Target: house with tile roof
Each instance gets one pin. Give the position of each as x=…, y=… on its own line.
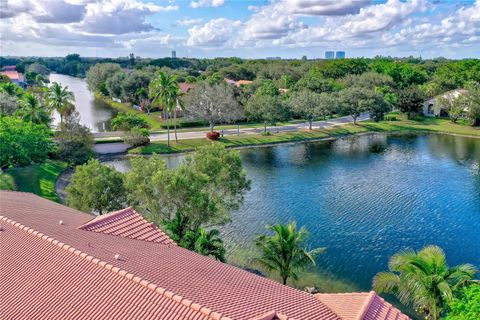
x=60, y=263
x=16, y=77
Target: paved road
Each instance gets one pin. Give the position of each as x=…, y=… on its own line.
x=245, y=131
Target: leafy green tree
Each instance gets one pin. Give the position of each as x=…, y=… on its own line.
x=284, y=251
x=207, y=243
x=423, y=280
x=213, y=103
x=75, y=141
x=61, y=100
x=473, y=106
x=368, y=80
x=31, y=110
x=98, y=74
x=455, y=106
x=267, y=88
x=314, y=80
x=355, y=101
x=132, y=83
x=410, y=100
x=23, y=143
x=11, y=89
x=95, y=187
x=306, y=104
x=466, y=304
x=126, y=121
x=286, y=81
x=114, y=84
x=339, y=68
x=266, y=109
x=162, y=91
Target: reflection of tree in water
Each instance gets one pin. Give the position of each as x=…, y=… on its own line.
x=462, y=150
x=361, y=146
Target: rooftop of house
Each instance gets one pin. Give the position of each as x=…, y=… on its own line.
x=185, y=87
x=448, y=95
x=63, y=264
x=13, y=75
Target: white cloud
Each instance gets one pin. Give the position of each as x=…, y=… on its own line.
x=207, y=3
x=188, y=22
x=324, y=7
x=215, y=33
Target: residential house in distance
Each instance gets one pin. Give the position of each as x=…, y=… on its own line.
x=433, y=107
x=238, y=83
x=14, y=76
x=59, y=263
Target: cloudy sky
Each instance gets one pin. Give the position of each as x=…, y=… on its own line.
x=242, y=28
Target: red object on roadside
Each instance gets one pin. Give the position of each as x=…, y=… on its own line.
x=213, y=135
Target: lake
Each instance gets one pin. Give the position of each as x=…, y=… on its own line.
x=364, y=198
x=94, y=113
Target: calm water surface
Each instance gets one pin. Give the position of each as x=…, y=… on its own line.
x=94, y=113
x=364, y=198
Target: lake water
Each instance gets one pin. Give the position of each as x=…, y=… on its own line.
x=364, y=198
x=94, y=113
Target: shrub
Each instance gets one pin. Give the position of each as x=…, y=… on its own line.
x=215, y=135
x=126, y=121
x=137, y=137
x=7, y=182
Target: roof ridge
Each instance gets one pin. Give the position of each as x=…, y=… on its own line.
x=121, y=272
x=99, y=219
x=366, y=305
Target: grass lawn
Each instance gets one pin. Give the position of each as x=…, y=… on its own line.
x=426, y=125
x=38, y=178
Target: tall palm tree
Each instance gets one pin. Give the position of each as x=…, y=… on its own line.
x=162, y=91
x=177, y=94
x=11, y=89
x=32, y=111
x=61, y=100
x=423, y=280
x=284, y=251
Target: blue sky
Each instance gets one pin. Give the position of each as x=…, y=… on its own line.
x=247, y=29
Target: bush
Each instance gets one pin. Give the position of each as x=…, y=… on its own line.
x=137, y=137
x=7, y=182
x=266, y=133
x=23, y=143
x=215, y=135
x=126, y=121
x=75, y=142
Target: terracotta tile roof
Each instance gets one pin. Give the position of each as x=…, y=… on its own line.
x=54, y=283
x=127, y=223
x=243, y=82
x=185, y=87
x=361, y=306
x=12, y=74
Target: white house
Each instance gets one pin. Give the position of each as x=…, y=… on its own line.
x=432, y=107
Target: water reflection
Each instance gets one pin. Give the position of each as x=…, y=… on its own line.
x=365, y=198
x=94, y=113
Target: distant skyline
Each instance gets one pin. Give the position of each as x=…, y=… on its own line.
x=246, y=29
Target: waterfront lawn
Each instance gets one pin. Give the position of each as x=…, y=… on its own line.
x=424, y=125
x=39, y=178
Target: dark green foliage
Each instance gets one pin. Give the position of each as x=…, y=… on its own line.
x=97, y=188
x=136, y=137
x=126, y=121
x=410, y=100
x=7, y=182
x=340, y=68
x=23, y=143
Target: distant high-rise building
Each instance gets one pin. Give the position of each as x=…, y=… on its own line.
x=329, y=55
x=174, y=54
x=304, y=58
x=340, y=55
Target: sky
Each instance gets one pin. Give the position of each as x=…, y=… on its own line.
x=240, y=28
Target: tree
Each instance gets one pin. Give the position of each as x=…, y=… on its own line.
x=306, y=104
x=7, y=182
x=11, y=89
x=132, y=83
x=455, y=106
x=473, y=106
x=98, y=74
x=355, y=101
x=162, y=91
x=8, y=104
x=267, y=88
x=114, y=84
x=423, y=280
x=466, y=304
x=315, y=81
x=61, y=100
x=410, y=100
x=267, y=109
x=95, y=187
x=207, y=243
x=284, y=251
x=75, y=141
x=368, y=80
x=213, y=103
x=32, y=111
x=23, y=143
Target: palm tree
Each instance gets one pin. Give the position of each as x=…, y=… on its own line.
x=61, y=100
x=284, y=251
x=178, y=103
x=162, y=91
x=12, y=89
x=32, y=111
x=208, y=243
x=423, y=280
